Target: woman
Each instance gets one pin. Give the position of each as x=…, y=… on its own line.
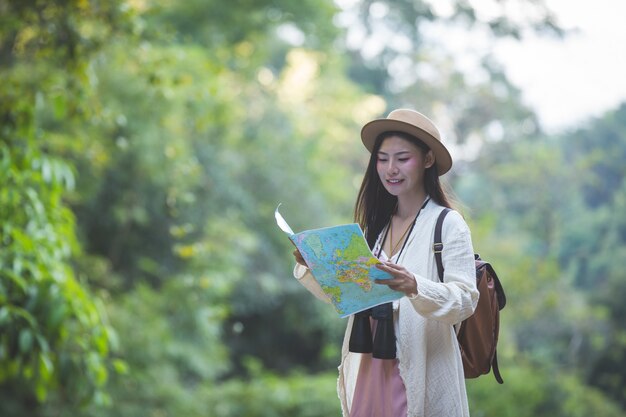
x=397, y=207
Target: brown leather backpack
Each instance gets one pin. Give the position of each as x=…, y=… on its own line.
x=478, y=334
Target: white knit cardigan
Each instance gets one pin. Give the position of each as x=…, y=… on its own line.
x=429, y=359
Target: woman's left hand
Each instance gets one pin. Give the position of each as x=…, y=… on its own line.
x=402, y=280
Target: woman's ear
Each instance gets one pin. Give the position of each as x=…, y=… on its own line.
x=429, y=159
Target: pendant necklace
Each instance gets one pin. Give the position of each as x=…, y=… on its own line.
x=407, y=231
x=393, y=249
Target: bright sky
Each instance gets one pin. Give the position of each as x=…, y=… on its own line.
x=566, y=81
x=570, y=81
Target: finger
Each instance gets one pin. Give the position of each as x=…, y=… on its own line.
x=395, y=267
x=385, y=267
x=389, y=282
x=390, y=267
x=396, y=273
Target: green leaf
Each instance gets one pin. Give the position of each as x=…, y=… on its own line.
x=40, y=391
x=4, y=315
x=59, y=104
x=15, y=278
x=120, y=366
x=46, y=367
x=25, y=340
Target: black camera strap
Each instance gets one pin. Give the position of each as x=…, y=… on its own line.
x=380, y=248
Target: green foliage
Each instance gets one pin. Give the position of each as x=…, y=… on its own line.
x=51, y=329
x=533, y=391
x=595, y=254
x=245, y=23
x=59, y=32
x=268, y=395
x=171, y=347
x=54, y=340
x=559, y=246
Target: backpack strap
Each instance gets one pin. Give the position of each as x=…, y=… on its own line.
x=438, y=248
x=495, y=369
x=437, y=243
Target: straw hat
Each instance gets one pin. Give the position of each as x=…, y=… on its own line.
x=415, y=124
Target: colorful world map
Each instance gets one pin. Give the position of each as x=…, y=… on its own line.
x=342, y=263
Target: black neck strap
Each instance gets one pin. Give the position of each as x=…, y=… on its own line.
x=407, y=236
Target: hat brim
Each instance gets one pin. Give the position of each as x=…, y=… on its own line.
x=373, y=129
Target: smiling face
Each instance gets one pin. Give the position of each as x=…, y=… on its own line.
x=401, y=164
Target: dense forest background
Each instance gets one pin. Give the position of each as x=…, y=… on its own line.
x=144, y=145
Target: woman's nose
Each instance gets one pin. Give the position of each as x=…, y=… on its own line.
x=392, y=167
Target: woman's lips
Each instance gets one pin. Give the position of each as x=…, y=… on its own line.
x=394, y=181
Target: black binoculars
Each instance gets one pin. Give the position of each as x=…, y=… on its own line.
x=383, y=344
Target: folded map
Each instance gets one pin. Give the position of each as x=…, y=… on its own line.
x=344, y=266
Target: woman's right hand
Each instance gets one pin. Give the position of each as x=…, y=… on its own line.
x=299, y=258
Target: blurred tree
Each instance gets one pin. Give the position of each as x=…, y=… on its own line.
x=396, y=51
x=593, y=248
x=249, y=25
x=564, y=262
x=531, y=390
x=191, y=155
x=54, y=338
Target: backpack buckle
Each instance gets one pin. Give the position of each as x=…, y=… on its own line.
x=438, y=247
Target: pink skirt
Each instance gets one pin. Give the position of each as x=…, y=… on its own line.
x=379, y=391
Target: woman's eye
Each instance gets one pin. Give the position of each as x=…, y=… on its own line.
x=382, y=160
x=403, y=159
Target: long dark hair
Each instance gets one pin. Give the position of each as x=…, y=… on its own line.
x=374, y=205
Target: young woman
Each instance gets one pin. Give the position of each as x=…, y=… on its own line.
x=415, y=367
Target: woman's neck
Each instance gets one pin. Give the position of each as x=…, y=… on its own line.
x=408, y=205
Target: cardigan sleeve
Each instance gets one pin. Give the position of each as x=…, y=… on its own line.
x=304, y=276
x=454, y=299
